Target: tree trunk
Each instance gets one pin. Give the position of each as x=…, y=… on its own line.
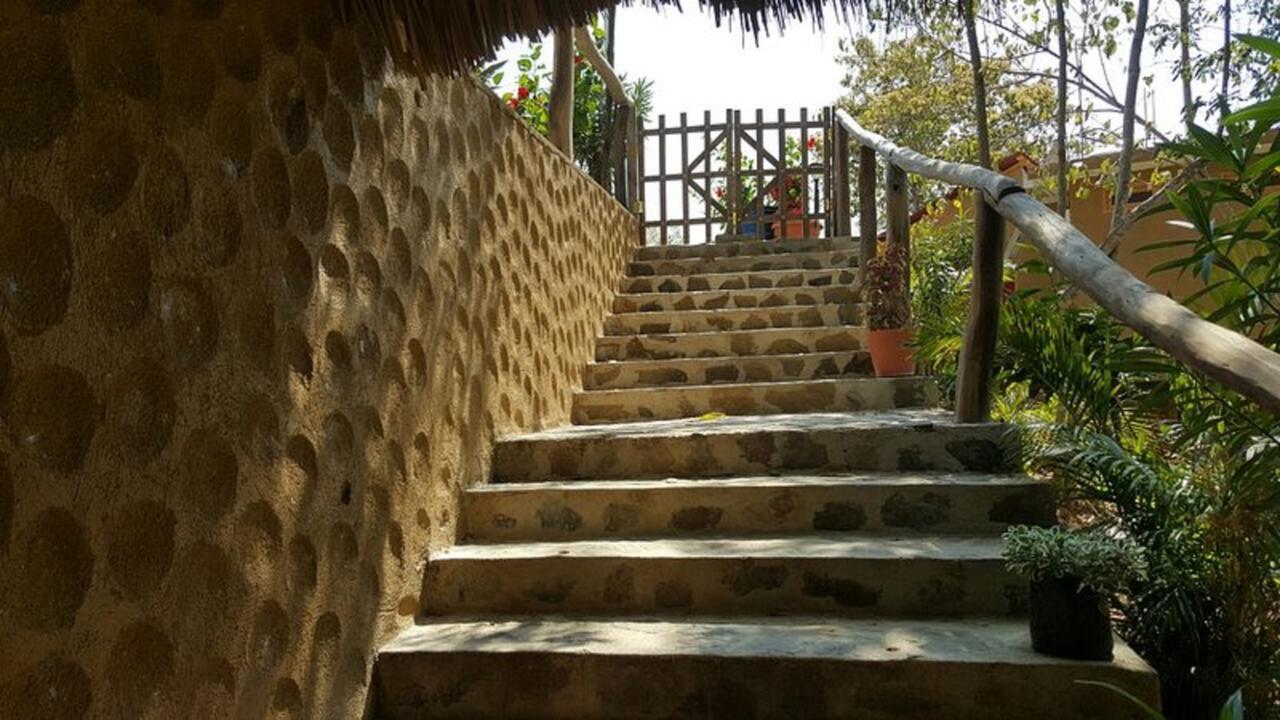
x=1124, y=164
x=1064, y=191
x=1226, y=57
x=966, y=10
x=560, y=112
x=1184, y=43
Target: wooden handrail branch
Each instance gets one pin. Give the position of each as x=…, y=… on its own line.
x=1221, y=354
x=630, y=175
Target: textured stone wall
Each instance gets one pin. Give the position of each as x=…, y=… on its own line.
x=266, y=304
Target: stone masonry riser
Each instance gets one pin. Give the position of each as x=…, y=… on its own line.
x=902, y=682
x=851, y=587
x=976, y=448
x=709, y=371
x=787, y=261
x=740, y=281
x=723, y=299
x=740, y=343
x=557, y=512
x=693, y=321
x=838, y=395
x=740, y=249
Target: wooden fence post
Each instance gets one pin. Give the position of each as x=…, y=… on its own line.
x=841, y=212
x=560, y=112
x=868, y=224
x=977, y=357
x=897, y=218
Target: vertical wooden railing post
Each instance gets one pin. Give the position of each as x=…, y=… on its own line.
x=733, y=169
x=560, y=112
x=841, y=210
x=635, y=151
x=977, y=357
x=898, y=221
x=618, y=153
x=636, y=156
x=662, y=177
x=868, y=223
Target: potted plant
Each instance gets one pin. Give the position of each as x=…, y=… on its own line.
x=889, y=315
x=789, y=222
x=1073, y=577
x=750, y=224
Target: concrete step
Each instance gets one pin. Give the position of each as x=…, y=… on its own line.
x=749, y=298
x=906, y=440
x=740, y=280
x=731, y=343
x=798, y=574
x=746, y=247
x=701, y=265
x=826, y=395
x=715, y=370
x=692, y=321
x=935, y=503
x=574, y=668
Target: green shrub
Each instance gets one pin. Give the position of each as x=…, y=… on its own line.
x=1106, y=565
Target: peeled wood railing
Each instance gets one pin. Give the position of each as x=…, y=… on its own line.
x=560, y=109
x=1225, y=356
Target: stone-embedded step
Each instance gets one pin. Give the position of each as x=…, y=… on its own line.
x=908, y=440
x=740, y=280
x=747, y=247
x=731, y=343
x=722, y=299
x=717, y=370
x=826, y=395
x=901, y=503
x=739, y=669
x=745, y=263
x=797, y=574
x=692, y=321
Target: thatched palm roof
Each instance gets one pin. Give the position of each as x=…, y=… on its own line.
x=453, y=35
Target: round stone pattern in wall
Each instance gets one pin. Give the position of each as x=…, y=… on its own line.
x=53, y=416
x=37, y=89
x=52, y=572
x=35, y=264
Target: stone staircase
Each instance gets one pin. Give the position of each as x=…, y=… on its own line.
x=742, y=523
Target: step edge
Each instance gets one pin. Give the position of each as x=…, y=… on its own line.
x=881, y=479
x=772, y=384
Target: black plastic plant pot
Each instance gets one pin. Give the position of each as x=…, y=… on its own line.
x=1069, y=621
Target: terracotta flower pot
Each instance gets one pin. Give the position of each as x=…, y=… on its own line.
x=795, y=227
x=891, y=354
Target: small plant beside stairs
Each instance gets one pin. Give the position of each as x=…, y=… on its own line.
x=889, y=314
x=1073, y=576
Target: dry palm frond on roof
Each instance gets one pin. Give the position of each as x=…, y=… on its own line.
x=453, y=35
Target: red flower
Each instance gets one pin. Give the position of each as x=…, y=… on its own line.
x=513, y=103
x=813, y=143
x=719, y=193
x=523, y=92
x=577, y=59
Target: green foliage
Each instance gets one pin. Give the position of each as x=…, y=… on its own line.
x=593, y=111
x=941, y=275
x=1139, y=447
x=1104, y=564
x=918, y=91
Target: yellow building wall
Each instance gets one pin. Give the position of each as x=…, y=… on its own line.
x=266, y=305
